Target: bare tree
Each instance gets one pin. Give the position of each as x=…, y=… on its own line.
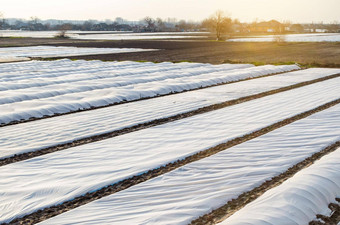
x=63, y=30
x=219, y=23
x=279, y=38
x=34, y=20
x=34, y=23
x=150, y=23
x=280, y=30
x=2, y=21
x=160, y=24
x=182, y=25
x=87, y=25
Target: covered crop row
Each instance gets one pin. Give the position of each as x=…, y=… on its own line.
x=54, y=51
x=37, y=102
x=299, y=199
x=195, y=189
x=61, y=176
x=36, y=135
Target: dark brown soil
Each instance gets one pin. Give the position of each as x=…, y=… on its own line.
x=236, y=204
x=216, y=215
x=306, y=54
x=325, y=54
x=17, y=42
x=334, y=219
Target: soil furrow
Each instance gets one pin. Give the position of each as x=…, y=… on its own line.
x=156, y=122
x=236, y=204
x=333, y=219
x=211, y=218
x=124, y=102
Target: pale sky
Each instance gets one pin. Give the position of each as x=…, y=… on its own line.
x=245, y=10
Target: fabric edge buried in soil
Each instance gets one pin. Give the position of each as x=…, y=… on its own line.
x=281, y=112
x=41, y=111
x=76, y=135
x=150, y=199
x=304, y=102
x=307, y=193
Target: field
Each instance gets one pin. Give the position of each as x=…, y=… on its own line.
x=314, y=37
x=168, y=141
x=107, y=35
x=323, y=54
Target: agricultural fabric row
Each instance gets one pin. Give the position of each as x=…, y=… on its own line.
x=299, y=199
x=54, y=51
x=195, y=189
x=26, y=137
x=22, y=102
x=60, y=176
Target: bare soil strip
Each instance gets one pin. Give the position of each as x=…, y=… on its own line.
x=156, y=122
x=124, y=102
x=216, y=215
x=333, y=219
x=236, y=204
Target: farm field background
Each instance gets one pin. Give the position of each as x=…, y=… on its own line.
x=307, y=54
x=318, y=37
x=111, y=35
x=168, y=131
x=105, y=35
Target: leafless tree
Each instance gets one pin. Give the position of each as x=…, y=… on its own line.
x=150, y=23
x=2, y=20
x=280, y=30
x=182, y=25
x=279, y=38
x=34, y=20
x=63, y=30
x=160, y=24
x=219, y=23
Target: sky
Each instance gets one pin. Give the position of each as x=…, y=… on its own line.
x=298, y=11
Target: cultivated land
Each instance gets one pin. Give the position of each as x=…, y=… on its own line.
x=323, y=54
x=80, y=128
x=89, y=142
x=210, y=182
x=115, y=159
x=73, y=86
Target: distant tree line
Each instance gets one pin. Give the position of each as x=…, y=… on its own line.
x=219, y=23
x=224, y=27
x=147, y=24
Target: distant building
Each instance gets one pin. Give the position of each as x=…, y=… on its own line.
x=270, y=27
x=298, y=28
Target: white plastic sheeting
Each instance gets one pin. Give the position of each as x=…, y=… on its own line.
x=195, y=189
x=61, y=51
x=136, y=36
x=67, y=86
x=35, y=135
x=54, y=178
x=6, y=59
x=104, y=35
x=298, y=200
x=319, y=37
